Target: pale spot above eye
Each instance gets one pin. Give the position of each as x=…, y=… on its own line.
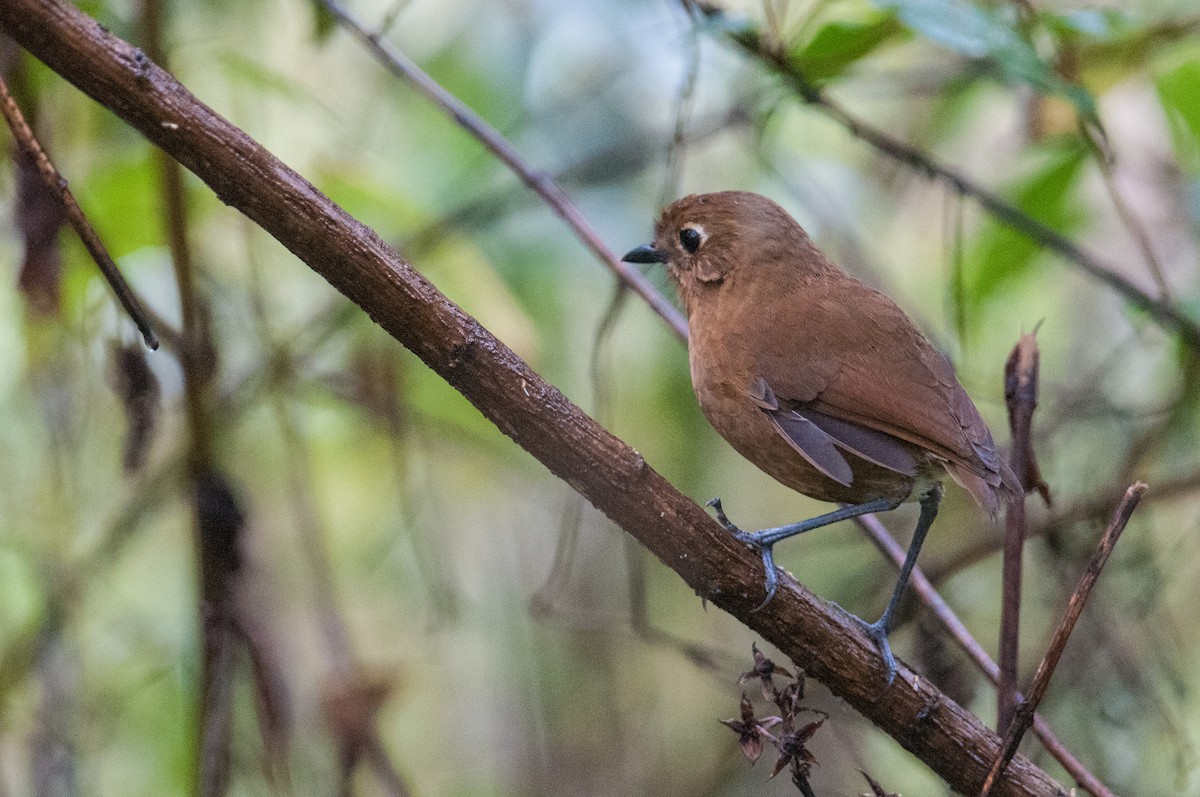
x=691, y=236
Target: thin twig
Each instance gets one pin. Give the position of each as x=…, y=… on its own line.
x=1020, y=393
x=1136, y=229
x=28, y=144
x=1041, y=679
x=538, y=181
x=928, y=594
x=684, y=100
x=777, y=60
x=217, y=708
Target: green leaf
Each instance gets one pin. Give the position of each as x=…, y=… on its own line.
x=1002, y=254
x=1179, y=93
x=839, y=44
x=986, y=35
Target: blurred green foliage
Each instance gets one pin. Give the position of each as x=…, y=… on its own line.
x=1179, y=91
x=996, y=35
x=379, y=501
x=1000, y=254
x=838, y=44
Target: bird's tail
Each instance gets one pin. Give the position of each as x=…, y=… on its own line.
x=991, y=489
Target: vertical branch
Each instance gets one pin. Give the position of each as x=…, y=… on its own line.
x=219, y=523
x=53, y=747
x=1041, y=679
x=684, y=100
x=217, y=518
x=1010, y=613
x=1020, y=393
x=174, y=203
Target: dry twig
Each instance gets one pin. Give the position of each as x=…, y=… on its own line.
x=1041, y=679
x=32, y=150
x=1020, y=393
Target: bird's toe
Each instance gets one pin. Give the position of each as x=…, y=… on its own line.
x=878, y=632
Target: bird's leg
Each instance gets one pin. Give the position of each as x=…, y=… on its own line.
x=764, y=541
x=880, y=629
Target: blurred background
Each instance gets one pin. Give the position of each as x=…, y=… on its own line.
x=418, y=606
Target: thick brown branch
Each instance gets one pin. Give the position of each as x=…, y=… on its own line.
x=826, y=642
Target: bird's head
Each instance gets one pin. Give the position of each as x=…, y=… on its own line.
x=707, y=240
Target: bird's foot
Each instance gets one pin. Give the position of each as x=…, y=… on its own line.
x=878, y=631
x=752, y=540
x=719, y=511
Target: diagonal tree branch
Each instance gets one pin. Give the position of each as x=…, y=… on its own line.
x=612, y=476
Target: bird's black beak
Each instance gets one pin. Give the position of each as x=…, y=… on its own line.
x=645, y=254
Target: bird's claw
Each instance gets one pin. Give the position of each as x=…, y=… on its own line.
x=715, y=503
x=878, y=633
x=751, y=541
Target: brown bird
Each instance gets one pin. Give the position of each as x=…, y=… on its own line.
x=816, y=378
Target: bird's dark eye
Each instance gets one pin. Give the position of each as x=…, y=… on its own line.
x=691, y=239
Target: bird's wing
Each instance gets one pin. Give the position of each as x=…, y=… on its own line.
x=858, y=362
x=818, y=437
